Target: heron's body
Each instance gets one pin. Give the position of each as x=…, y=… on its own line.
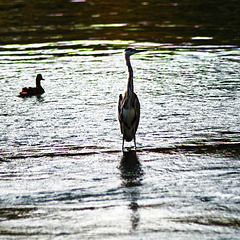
x=30, y=91
x=128, y=105
x=129, y=115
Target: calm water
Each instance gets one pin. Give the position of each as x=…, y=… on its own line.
x=62, y=172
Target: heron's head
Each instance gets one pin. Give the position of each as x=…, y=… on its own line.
x=39, y=77
x=130, y=51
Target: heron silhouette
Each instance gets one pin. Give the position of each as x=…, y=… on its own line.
x=129, y=105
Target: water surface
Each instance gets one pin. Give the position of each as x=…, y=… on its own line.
x=61, y=158
x=63, y=174
x=185, y=21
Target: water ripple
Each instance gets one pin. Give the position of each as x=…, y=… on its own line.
x=61, y=160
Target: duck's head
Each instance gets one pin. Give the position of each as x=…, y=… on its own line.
x=131, y=50
x=39, y=77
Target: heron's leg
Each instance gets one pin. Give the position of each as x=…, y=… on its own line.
x=123, y=143
x=135, y=143
x=122, y=130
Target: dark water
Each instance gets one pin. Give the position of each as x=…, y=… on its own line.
x=62, y=172
x=198, y=22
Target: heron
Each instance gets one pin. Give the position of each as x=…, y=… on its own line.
x=129, y=105
x=30, y=91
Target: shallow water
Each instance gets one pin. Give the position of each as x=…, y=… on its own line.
x=62, y=172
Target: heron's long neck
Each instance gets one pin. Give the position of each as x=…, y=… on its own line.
x=130, y=76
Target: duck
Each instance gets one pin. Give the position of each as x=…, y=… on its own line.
x=31, y=91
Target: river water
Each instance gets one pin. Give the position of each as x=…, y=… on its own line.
x=62, y=172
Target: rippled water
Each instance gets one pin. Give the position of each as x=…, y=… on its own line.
x=62, y=172
x=63, y=175
x=179, y=21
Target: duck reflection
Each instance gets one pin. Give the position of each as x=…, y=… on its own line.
x=131, y=175
x=39, y=98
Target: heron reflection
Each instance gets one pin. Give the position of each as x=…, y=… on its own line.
x=131, y=170
x=131, y=175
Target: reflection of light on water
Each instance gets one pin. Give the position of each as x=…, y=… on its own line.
x=61, y=149
x=109, y=25
x=202, y=38
x=78, y=1
x=189, y=93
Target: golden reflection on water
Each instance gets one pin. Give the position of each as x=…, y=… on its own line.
x=153, y=21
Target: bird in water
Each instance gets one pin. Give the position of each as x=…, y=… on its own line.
x=128, y=104
x=30, y=91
